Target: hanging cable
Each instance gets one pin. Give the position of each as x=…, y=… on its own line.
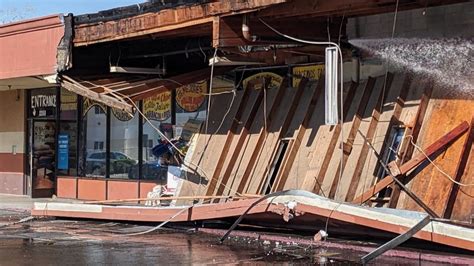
x=436, y=166
x=185, y=163
x=210, y=91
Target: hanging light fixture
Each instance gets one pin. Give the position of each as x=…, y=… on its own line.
x=330, y=107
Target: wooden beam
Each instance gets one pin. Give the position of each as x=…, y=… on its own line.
x=230, y=136
x=295, y=145
x=414, y=131
x=281, y=178
x=467, y=149
x=370, y=135
x=240, y=142
x=162, y=21
x=431, y=150
x=262, y=135
x=69, y=85
x=228, y=30
x=334, y=138
x=352, y=134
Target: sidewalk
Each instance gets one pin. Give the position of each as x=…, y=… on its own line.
x=23, y=203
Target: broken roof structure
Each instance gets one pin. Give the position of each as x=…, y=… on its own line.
x=264, y=128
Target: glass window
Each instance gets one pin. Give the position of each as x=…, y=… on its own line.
x=92, y=139
x=123, y=145
x=67, y=138
x=157, y=109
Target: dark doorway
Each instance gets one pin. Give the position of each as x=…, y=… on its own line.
x=43, y=159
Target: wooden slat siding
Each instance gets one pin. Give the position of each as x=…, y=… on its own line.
x=353, y=132
x=284, y=129
x=334, y=138
x=293, y=145
x=242, y=136
x=467, y=149
x=438, y=145
x=230, y=136
x=414, y=131
x=236, y=153
x=261, y=137
x=370, y=135
x=265, y=154
x=205, y=149
x=397, y=109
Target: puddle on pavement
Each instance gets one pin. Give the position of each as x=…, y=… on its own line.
x=92, y=242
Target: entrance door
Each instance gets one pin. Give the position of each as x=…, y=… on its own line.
x=43, y=161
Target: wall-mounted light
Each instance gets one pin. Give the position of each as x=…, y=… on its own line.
x=332, y=67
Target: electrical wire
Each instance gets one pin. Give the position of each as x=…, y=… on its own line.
x=174, y=146
x=328, y=43
x=210, y=92
x=436, y=166
x=161, y=224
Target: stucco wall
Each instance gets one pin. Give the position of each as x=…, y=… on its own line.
x=12, y=133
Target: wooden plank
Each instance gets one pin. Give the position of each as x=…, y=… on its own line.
x=353, y=132
x=241, y=139
x=230, y=136
x=162, y=21
x=372, y=165
x=467, y=149
x=261, y=137
x=370, y=135
x=295, y=145
x=335, y=136
x=441, y=143
x=107, y=100
x=414, y=131
x=281, y=179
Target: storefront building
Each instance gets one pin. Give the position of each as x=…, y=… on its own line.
x=28, y=52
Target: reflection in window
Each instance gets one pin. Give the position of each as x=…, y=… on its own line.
x=123, y=145
x=92, y=160
x=157, y=109
x=68, y=132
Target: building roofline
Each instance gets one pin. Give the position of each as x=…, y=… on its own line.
x=31, y=24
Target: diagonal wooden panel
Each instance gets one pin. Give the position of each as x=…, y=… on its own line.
x=414, y=131
x=230, y=136
x=296, y=143
x=334, y=138
x=370, y=135
x=352, y=133
x=261, y=137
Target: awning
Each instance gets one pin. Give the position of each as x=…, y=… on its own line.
x=118, y=91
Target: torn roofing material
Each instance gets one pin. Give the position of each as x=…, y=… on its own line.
x=133, y=10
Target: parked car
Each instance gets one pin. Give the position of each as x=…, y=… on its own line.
x=119, y=163
x=152, y=170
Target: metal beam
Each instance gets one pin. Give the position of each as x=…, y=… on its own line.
x=397, y=240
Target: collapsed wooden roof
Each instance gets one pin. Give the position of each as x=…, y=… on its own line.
x=118, y=91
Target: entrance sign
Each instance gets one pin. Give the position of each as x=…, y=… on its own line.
x=43, y=103
x=191, y=97
x=158, y=107
x=63, y=151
